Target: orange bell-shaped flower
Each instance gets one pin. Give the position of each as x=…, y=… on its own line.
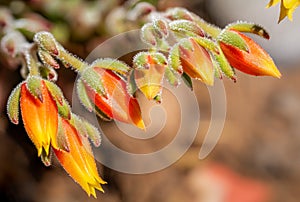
x=40, y=117
x=256, y=61
x=197, y=62
x=118, y=104
x=79, y=161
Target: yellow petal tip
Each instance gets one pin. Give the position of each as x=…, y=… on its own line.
x=141, y=125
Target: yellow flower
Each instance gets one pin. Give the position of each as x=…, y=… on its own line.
x=287, y=8
x=78, y=160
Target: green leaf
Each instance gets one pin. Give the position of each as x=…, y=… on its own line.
x=13, y=104
x=186, y=27
x=112, y=64
x=171, y=76
x=233, y=39
x=83, y=97
x=207, y=44
x=248, y=27
x=34, y=85
x=224, y=65
x=93, y=79
x=63, y=106
x=174, y=59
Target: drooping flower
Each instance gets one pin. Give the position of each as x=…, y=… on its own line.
x=256, y=61
x=78, y=159
x=149, y=73
x=116, y=103
x=192, y=59
x=40, y=117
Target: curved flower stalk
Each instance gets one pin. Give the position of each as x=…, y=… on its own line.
x=181, y=45
x=100, y=88
x=287, y=8
x=49, y=123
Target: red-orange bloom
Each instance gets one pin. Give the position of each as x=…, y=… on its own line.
x=197, y=63
x=79, y=161
x=40, y=118
x=255, y=62
x=118, y=103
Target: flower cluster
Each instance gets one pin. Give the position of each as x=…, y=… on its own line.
x=182, y=47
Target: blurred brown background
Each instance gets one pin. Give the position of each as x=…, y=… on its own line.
x=256, y=160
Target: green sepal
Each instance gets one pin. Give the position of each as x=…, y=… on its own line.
x=93, y=133
x=224, y=65
x=34, y=85
x=13, y=104
x=233, y=39
x=62, y=104
x=218, y=71
x=141, y=60
x=48, y=73
x=47, y=59
x=86, y=129
x=187, y=80
x=162, y=26
x=207, y=44
x=47, y=42
x=93, y=80
x=186, y=27
x=248, y=27
x=131, y=85
x=46, y=158
x=82, y=95
x=171, y=76
x=179, y=14
x=148, y=35
x=76, y=121
x=62, y=141
x=159, y=58
x=174, y=59
x=112, y=64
